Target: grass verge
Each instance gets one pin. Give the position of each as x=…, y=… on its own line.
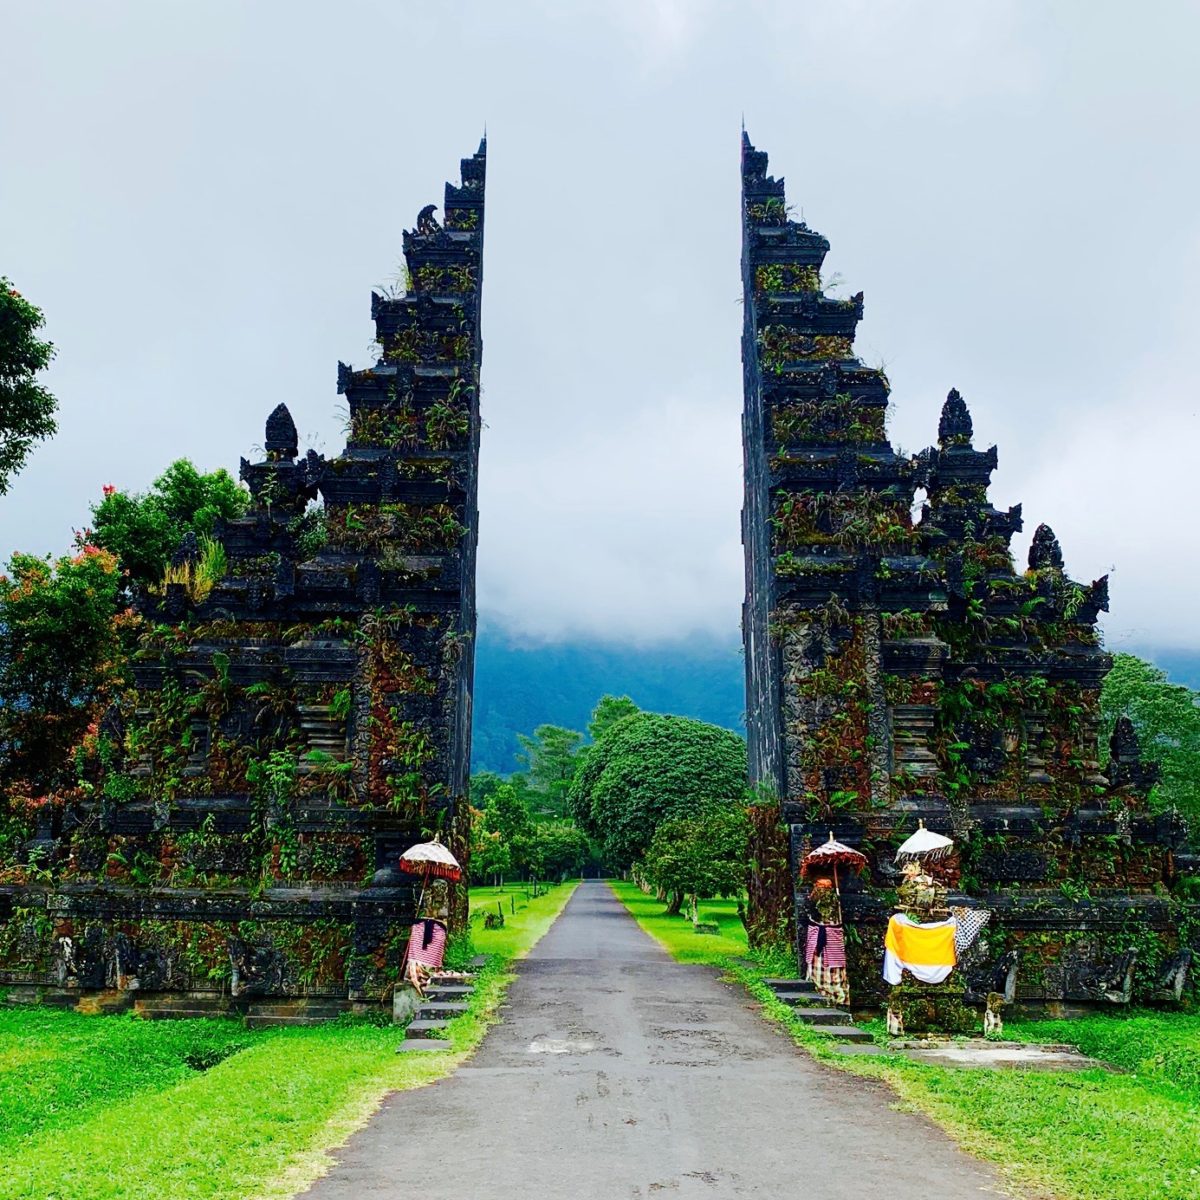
x=1087, y=1135
x=96, y=1108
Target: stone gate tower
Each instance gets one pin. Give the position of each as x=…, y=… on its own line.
x=293, y=728
x=900, y=669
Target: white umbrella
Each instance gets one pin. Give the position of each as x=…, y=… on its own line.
x=925, y=844
x=431, y=858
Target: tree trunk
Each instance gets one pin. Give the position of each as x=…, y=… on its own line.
x=695, y=910
x=674, y=904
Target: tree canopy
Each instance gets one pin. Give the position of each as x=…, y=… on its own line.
x=550, y=755
x=648, y=768
x=26, y=407
x=1167, y=719
x=144, y=529
x=60, y=659
x=700, y=855
x=608, y=711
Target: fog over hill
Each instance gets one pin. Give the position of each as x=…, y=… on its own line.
x=519, y=685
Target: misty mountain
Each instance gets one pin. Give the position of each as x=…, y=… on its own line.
x=520, y=686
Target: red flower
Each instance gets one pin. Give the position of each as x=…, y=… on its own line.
x=109, y=489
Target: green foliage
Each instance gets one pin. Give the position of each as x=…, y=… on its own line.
x=650, y=767
x=144, y=529
x=310, y=532
x=558, y=850
x=1167, y=719
x=483, y=786
x=60, y=658
x=508, y=818
x=701, y=855
x=551, y=755
x=608, y=711
x=26, y=407
x=199, y=578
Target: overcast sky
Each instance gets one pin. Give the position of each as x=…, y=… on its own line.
x=201, y=196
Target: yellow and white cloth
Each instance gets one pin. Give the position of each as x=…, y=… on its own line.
x=925, y=951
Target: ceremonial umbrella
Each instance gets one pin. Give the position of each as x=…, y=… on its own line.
x=430, y=859
x=925, y=844
x=832, y=854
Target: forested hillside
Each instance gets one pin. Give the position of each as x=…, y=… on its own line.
x=519, y=687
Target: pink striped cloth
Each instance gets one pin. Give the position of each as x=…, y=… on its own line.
x=833, y=954
x=430, y=955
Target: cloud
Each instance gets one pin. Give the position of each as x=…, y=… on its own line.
x=202, y=197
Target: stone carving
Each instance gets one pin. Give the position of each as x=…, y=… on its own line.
x=426, y=221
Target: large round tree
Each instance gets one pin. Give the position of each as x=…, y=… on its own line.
x=648, y=768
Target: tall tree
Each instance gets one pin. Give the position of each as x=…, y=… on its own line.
x=144, y=529
x=26, y=407
x=551, y=755
x=651, y=767
x=608, y=711
x=482, y=787
x=1167, y=719
x=507, y=816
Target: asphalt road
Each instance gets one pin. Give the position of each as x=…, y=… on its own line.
x=618, y=1072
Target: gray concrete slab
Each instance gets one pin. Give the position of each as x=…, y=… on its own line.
x=977, y=1053
x=618, y=1073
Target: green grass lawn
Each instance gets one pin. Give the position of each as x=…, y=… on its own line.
x=1088, y=1135
x=96, y=1108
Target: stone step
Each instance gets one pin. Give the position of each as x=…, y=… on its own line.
x=791, y=986
x=425, y=1029
x=846, y=1033
x=177, y=1014
x=275, y=1022
x=326, y=1010
x=814, y=1015
x=800, y=1000
x=422, y=1046
x=449, y=991
x=441, y=1008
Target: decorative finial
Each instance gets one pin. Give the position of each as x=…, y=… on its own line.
x=1044, y=551
x=955, y=428
x=282, y=440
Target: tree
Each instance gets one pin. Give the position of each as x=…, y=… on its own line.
x=698, y=856
x=648, y=768
x=560, y=848
x=490, y=857
x=26, y=407
x=144, y=529
x=551, y=755
x=1167, y=719
x=507, y=817
x=61, y=660
x=483, y=786
x=608, y=711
